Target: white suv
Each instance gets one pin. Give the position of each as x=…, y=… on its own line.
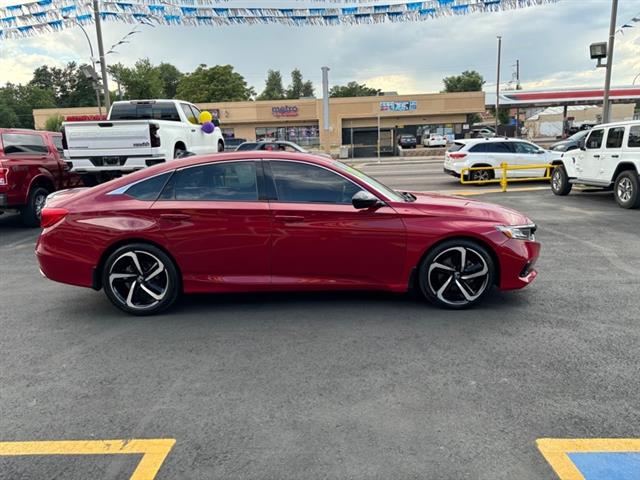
x=609, y=157
x=492, y=152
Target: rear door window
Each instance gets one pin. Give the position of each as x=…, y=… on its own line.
x=499, y=147
x=614, y=137
x=220, y=181
x=634, y=137
x=480, y=148
x=595, y=139
x=19, y=143
x=148, y=189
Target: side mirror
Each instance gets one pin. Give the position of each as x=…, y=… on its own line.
x=539, y=152
x=364, y=199
x=582, y=144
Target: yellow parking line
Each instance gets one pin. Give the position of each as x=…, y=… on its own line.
x=153, y=451
x=556, y=450
x=467, y=193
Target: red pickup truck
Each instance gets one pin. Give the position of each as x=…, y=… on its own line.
x=31, y=167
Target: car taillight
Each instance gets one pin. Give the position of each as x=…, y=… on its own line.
x=4, y=173
x=457, y=156
x=64, y=139
x=51, y=216
x=153, y=134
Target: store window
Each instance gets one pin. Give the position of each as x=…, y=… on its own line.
x=302, y=135
x=228, y=133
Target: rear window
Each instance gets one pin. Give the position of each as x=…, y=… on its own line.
x=57, y=141
x=145, y=111
x=148, y=189
x=455, y=147
x=634, y=137
x=247, y=146
x=16, y=143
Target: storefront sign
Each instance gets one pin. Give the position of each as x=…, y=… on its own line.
x=285, y=111
x=398, y=106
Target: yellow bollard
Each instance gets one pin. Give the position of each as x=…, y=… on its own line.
x=503, y=180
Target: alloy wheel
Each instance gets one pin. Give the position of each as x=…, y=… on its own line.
x=138, y=279
x=556, y=180
x=458, y=276
x=625, y=190
x=38, y=203
x=482, y=175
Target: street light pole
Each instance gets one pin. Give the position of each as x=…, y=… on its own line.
x=93, y=65
x=498, y=82
x=606, y=104
x=103, y=63
x=378, y=108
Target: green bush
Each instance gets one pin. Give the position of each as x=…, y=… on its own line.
x=54, y=124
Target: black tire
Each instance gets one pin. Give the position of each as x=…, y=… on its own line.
x=481, y=175
x=143, y=290
x=35, y=202
x=560, y=181
x=441, y=284
x=626, y=189
x=178, y=152
x=220, y=146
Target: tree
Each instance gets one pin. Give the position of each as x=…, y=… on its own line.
x=170, y=77
x=70, y=87
x=54, y=123
x=22, y=100
x=219, y=83
x=273, y=89
x=299, y=88
x=353, y=89
x=308, y=90
x=8, y=118
x=143, y=81
x=467, y=81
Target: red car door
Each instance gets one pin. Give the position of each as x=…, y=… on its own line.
x=216, y=226
x=320, y=238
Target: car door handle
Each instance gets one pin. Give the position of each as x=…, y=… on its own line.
x=596, y=156
x=615, y=156
x=193, y=129
x=290, y=218
x=176, y=217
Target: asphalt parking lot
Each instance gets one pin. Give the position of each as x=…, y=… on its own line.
x=353, y=385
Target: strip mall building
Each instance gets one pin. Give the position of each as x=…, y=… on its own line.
x=353, y=122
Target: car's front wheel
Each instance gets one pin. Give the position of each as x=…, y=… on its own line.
x=626, y=189
x=560, y=181
x=140, y=279
x=456, y=274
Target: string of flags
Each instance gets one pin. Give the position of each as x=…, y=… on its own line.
x=629, y=24
x=43, y=16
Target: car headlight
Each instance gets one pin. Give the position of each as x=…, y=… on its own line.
x=519, y=232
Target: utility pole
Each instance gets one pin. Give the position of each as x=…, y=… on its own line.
x=498, y=83
x=103, y=63
x=325, y=106
x=378, y=108
x=518, y=88
x=606, y=104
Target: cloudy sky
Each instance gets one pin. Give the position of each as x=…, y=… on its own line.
x=551, y=42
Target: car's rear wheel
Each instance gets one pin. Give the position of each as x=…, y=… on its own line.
x=560, y=181
x=456, y=274
x=626, y=189
x=481, y=175
x=32, y=211
x=140, y=279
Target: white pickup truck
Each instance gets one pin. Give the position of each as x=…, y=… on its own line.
x=136, y=134
x=609, y=157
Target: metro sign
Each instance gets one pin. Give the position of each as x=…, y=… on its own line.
x=285, y=111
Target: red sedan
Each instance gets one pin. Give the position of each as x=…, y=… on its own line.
x=264, y=221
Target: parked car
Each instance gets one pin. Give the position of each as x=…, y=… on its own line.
x=434, y=140
x=407, y=141
x=31, y=167
x=482, y=132
x=278, y=146
x=232, y=144
x=609, y=157
x=265, y=221
x=570, y=143
x=136, y=135
x=492, y=152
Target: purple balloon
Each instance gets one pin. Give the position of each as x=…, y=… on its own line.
x=208, y=127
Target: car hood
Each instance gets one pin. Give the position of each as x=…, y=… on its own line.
x=450, y=206
x=561, y=143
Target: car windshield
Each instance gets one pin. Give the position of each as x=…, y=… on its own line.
x=376, y=185
x=579, y=135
